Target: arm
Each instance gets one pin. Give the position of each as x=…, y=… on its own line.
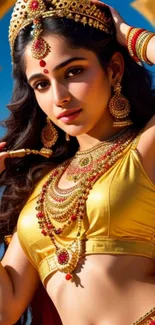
x=122, y=29
x=18, y=283
x=18, y=278
x=151, y=50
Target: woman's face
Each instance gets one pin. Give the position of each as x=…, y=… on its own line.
x=76, y=91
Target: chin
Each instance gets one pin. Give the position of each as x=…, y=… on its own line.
x=77, y=131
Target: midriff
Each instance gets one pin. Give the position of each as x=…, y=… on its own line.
x=108, y=290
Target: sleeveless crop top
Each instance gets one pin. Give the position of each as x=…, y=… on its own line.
x=120, y=217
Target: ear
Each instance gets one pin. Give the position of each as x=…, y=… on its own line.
x=116, y=68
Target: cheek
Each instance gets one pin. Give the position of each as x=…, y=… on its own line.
x=94, y=89
x=79, y=90
x=45, y=102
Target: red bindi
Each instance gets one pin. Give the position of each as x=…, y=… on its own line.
x=46, y=71
x=42, y=63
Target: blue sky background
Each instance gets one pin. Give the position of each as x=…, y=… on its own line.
x=123, y=6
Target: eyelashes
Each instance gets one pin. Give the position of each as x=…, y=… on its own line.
x=42, y=85
x=74, y=72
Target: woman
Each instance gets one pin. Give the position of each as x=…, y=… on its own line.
x=86, y=224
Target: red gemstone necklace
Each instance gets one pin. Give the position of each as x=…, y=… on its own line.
x=60, y=210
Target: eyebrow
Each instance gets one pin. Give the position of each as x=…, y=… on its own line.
x=58, y=67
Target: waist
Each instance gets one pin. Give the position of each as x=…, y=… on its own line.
x=123, y=254
x=102, y=245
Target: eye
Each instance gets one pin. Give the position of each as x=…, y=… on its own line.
x=73, y=72
x=41, y=85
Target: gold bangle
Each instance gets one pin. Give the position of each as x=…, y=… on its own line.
x=129, y=40
x=144, y=50
x=141, y=46
x=140, y=43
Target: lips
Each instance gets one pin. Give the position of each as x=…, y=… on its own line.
x=68, y=112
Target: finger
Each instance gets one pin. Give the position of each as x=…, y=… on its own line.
x=103, y=4
x=4, y=155
x=100, y=3
x=2, y=144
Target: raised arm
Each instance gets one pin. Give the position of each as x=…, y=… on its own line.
x=122, y=31
x=151, y=50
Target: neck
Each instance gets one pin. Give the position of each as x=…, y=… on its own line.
x=87, y=141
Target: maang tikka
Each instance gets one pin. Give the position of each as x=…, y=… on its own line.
x=119, y=108
x=32, y=12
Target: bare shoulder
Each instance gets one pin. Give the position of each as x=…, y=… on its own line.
x=146, y=143
x=146, y=148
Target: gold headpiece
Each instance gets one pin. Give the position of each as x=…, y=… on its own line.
x=28, y=12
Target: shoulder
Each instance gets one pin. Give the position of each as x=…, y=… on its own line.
x=146, y=145
x=146, y=148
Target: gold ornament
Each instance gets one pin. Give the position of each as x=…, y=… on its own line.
x=28, y=12
x=59, y=210
x=49, y=136
x=86, y=160
x=21, y=153
x=67, y=137
x=119, y=108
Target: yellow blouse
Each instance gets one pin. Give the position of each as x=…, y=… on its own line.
x=120, y=217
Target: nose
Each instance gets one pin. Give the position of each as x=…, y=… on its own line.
x=61, y=95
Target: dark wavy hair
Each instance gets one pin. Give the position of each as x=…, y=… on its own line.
x=26, y=118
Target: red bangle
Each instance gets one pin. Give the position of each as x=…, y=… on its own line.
x=134, y=40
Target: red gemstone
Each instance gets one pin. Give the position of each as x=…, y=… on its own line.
x=73, y=217
x=44, y=232
x=55, y=173
x=35, y=21
x=49, y=226
x=152, y=322
x=34, y=5
x=68, y=276
x=58, y=231
x=63, y=258
x=40, y=215
x=42, y=63
x=38, y=44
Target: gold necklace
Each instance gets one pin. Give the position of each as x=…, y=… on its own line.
x=62, y=210
x=85, y=160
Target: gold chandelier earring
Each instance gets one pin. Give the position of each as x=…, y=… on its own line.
x=119, y=108
x=49, y=136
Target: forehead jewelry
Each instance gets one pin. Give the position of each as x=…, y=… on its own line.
x=32, y=12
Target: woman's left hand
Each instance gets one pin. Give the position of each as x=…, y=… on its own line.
x=121, y=26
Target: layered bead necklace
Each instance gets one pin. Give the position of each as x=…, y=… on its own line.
x=66, y=208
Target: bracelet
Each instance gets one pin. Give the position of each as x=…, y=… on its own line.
x=131, y=39
x=145, y=59
x=137, y=41
x=140, y=44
